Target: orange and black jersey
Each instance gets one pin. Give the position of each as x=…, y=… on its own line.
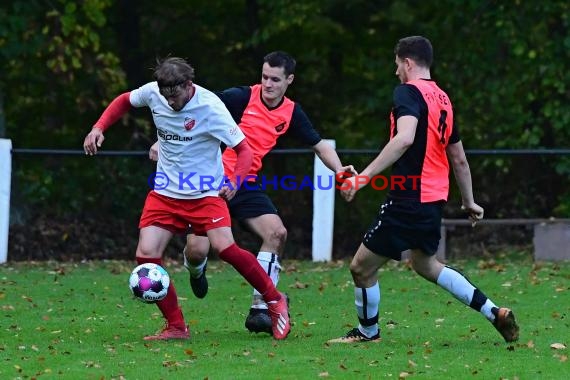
x=263, y=125
x=426, y=158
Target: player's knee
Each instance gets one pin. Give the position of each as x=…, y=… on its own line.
x=195, y=254
x=357, y=271
x=280, y=234
x=196, y=251
x=277, y=237
x=143, y=251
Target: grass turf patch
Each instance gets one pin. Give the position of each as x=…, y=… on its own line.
x=71, y=321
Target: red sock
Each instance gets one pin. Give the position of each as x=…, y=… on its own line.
x=169, y=305
x=248, y=266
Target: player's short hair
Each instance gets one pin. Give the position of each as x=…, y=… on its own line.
x=281, y=59
x=417, y=48
x=172, y=72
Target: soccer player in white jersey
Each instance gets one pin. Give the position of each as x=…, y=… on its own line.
x=191, y=124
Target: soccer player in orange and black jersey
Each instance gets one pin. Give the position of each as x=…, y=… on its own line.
x=264, y=114
x=422, y=135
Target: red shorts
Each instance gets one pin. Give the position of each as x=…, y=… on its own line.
x=177, y=215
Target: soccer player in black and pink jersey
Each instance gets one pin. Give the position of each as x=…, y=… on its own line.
x=264, y=114
x=422, y=136
x=191, y=124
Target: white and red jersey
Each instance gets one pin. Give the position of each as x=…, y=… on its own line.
x=189, y=141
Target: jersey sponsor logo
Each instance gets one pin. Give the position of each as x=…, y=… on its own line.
x=251, y=112
x=280, y=127
x=154, y=112
x=216, y=220
x=189, y=123
x=234, y=131
x=172, y=137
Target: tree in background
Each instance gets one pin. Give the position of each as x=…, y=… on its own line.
x=506, y=64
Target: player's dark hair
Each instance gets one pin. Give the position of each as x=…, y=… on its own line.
x=417, y=48
x=172, y=72
x=281, y=59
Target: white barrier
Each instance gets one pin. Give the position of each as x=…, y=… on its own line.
x=323, y=210
x=5, y=181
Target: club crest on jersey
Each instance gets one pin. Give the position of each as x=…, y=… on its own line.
x=280, y=127
x=189, y=123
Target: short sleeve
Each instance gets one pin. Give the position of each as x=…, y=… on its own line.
x=302, y=128
x=140, y=97
x=222, y=126
x=406, y=101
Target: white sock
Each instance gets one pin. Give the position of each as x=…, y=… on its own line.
x=456, y=283
x=195, y=271
x=270, y=264
x=367, y=302
x=487, y=310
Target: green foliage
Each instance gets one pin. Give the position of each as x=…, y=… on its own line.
x=58, y=76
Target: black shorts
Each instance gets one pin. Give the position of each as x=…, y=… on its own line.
x=404, y=224
x=250, y=201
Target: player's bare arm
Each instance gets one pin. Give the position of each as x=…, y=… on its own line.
x=395, y=148
x=153, y=152
x=462, y=173
x=330, y=158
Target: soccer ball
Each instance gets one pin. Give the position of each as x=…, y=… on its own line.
x=149, y=282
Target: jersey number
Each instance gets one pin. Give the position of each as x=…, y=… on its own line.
x=442, y=126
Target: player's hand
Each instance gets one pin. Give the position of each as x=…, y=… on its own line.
x=475, y=212
x=93, y=140
x=228, y=191
x=153, y=152
x=348, y=188
x=347, y=171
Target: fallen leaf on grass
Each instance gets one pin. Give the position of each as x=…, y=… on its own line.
x=299, y=285
x=171, y=363
x=403, y=375
x=324, y=374
x=558, y=346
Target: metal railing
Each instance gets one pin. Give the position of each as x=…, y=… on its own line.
x=472, y=152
